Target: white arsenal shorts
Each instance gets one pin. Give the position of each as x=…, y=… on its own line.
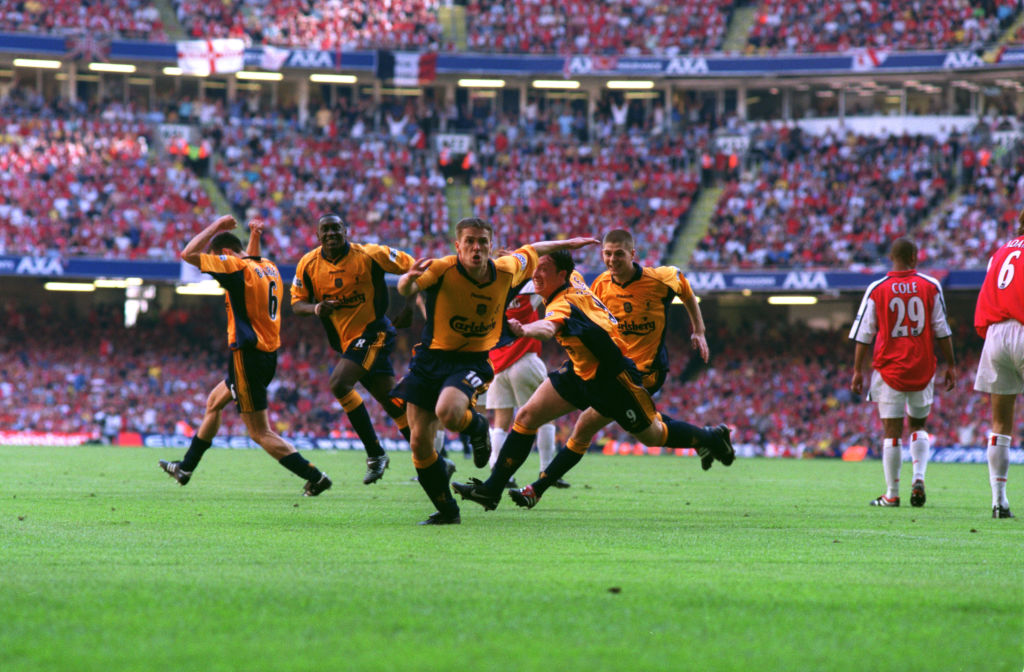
x=896, y=404
x=513, y=386
x=1002, y=359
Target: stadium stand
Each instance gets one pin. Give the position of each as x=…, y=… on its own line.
x=611, y=27
x=386, y=190
x=822, y=26
x=89, y=185
x=779, y=385
x=321, y=24
x=127, y=19
x=833, y=201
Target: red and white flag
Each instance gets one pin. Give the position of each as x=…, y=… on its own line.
x=868, y=59
x=210, y=57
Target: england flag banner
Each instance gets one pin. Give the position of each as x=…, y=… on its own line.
x=202, y=58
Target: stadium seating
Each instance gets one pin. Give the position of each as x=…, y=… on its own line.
x=824, y=201
x=967, y=230
x=387, y=191
x=608, y=28
x=550, y=187
x=827, y=26
x=87, y=186
x=319, y=24
x=777, y=384
x=125, y=19
x=612, y=27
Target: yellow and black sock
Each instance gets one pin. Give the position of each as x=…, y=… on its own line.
x=564, y=460
x=301, y=467
x=433, y=478
x=194, y=453
x=360, y=419
x=514, y=452
x=681, y=434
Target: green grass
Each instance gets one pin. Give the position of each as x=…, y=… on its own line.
x=107, y=564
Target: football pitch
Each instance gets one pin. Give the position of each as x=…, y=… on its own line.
x=644, y=564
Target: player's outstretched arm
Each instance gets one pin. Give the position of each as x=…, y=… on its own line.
x=698, y=339
x=201, y=241
x=548, y=246
x=256, y=228
x=407, y=282
x=542, y=330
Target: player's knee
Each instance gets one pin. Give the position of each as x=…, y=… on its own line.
x=654, y=435
x=527, y=417
x=451, y=417
x=340, y=387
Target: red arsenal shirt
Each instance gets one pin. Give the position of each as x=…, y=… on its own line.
x=903, y=314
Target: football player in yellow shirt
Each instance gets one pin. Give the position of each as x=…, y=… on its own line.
x=466, y=294
x=252, y=293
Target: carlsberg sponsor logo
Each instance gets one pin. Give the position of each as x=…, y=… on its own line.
x=470, y=329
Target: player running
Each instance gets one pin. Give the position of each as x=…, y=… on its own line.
x=253, y=292
x=518, y=372
x=466, y=294
x=904, y=314
x=342, y=284
x=597, y=375
x=639, y=298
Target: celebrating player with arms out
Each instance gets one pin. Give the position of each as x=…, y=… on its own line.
x=596, y=376
x=999, y=319
x=342, y=283
x=639, y=298
x=253, y=292
x=466, y=294
x=903, y=314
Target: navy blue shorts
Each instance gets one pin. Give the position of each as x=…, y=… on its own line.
x=619, y=396
x=372, y=349
x=433, y=370
x=653, y=380
x=249, y=373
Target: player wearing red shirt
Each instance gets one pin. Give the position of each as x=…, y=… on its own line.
x=999, y=319
x=518, y=372
x=903, y=313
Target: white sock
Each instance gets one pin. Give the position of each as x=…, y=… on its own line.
x=439, y=439
x=546, y=445
x=920, y=444
x=892, y=459
x=999, y=467
x=497, y=440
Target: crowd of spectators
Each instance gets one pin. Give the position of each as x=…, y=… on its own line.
x=968, y=229
x=123, y=19
x=827, y=201
x=777, y=385
x=388, y=189
x=610, y=28
x=88, y=185
x=81, y=181
x=546, y=186
x=317, y=24
x=827, y=26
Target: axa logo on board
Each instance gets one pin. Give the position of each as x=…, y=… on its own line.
x=717, y=281
x=39, y=266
